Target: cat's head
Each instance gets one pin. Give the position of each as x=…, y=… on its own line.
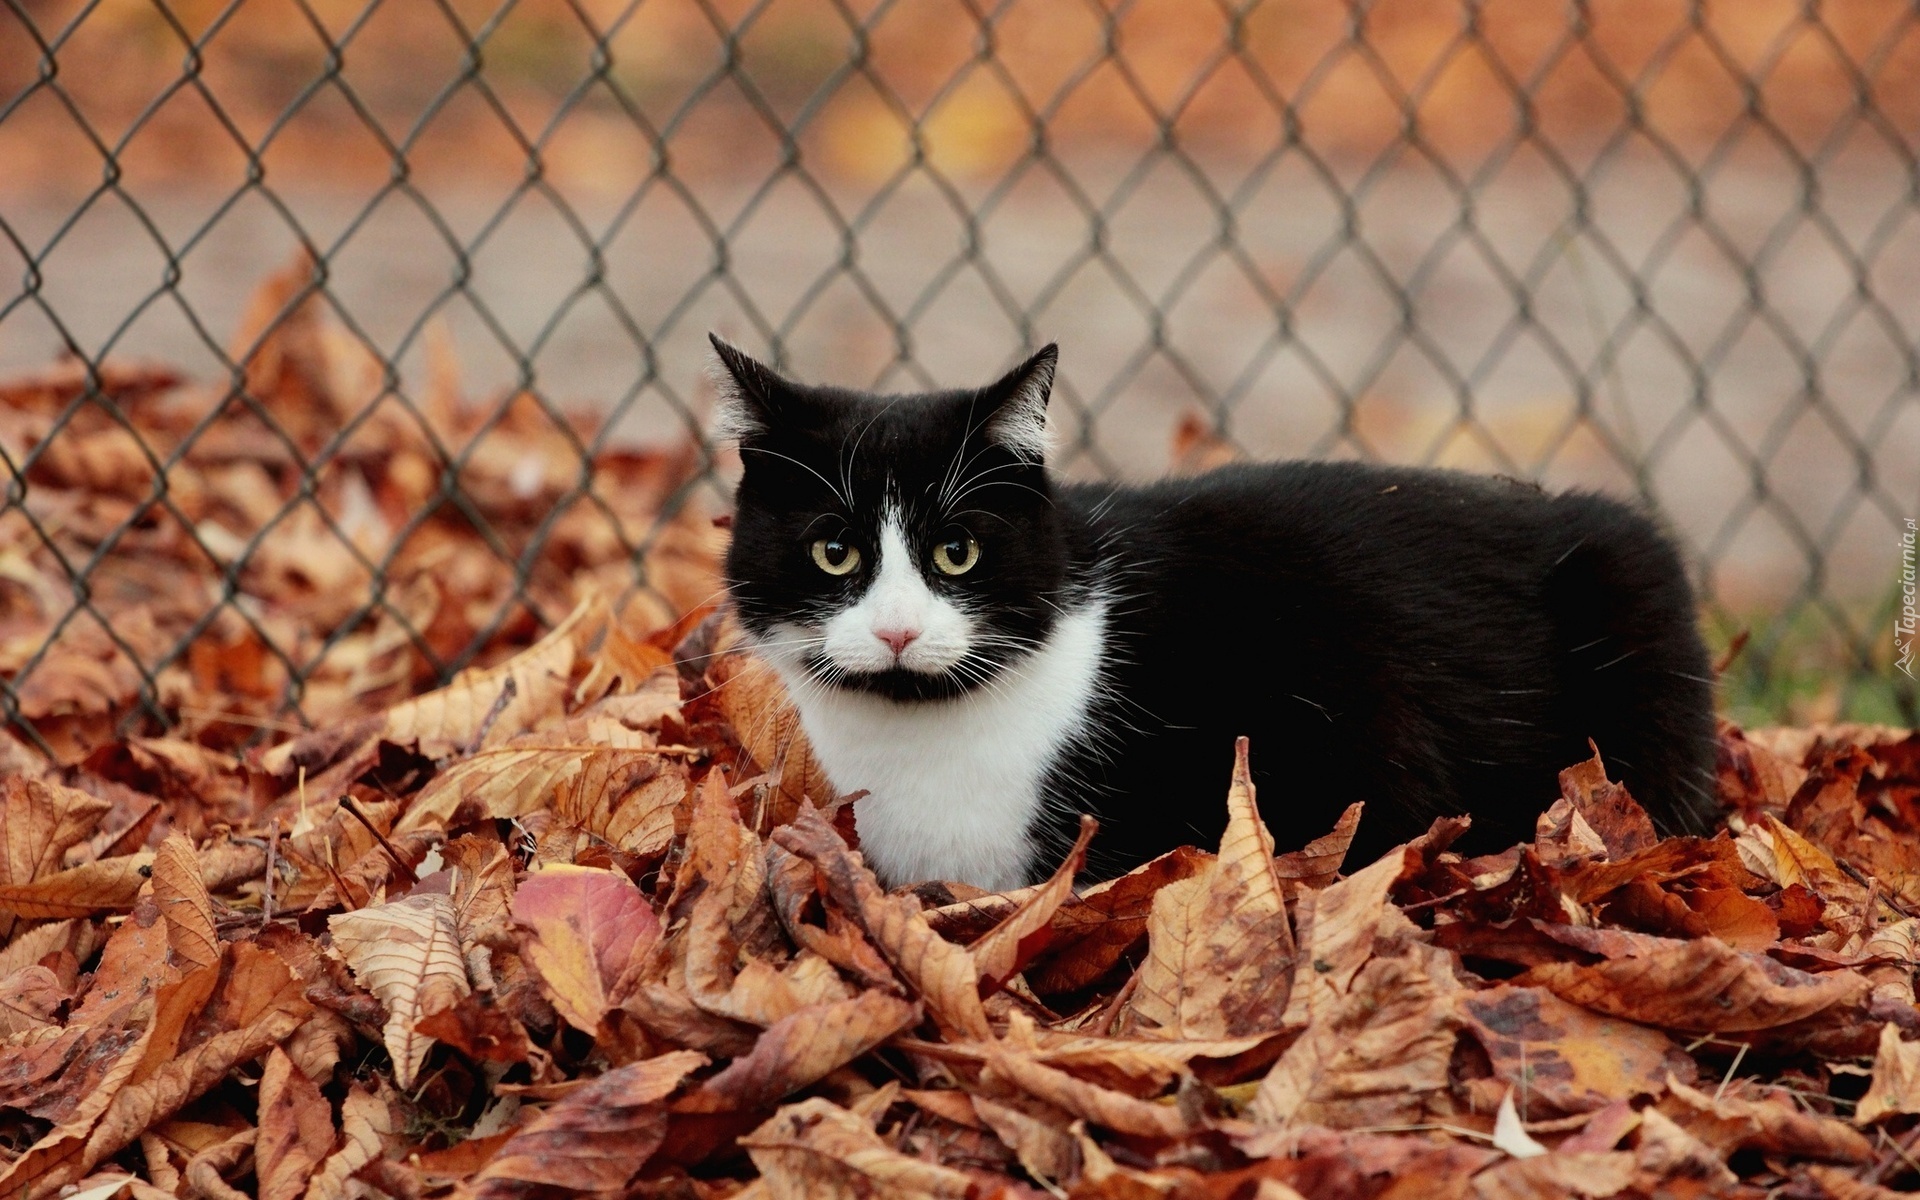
x=904, y=545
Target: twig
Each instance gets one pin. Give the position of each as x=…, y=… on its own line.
x=1731, y=1068
x=1899, y=1150
x=508, y=691
x=1734, y=648
x=273, y=853
x=1103, y=1025
x=353, y=810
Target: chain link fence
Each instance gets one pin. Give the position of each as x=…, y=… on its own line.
x=1666, y=249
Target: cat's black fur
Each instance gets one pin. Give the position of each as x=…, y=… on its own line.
x=1426, y=641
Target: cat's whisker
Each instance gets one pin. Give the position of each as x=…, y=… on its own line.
x=845, y=497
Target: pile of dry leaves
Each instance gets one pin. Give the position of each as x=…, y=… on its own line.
x=589, y=920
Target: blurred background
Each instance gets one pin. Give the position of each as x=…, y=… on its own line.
x=1666, y=249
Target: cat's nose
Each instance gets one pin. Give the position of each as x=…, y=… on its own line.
x=898, y=639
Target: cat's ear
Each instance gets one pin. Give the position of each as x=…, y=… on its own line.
x=749, y=392
x=1019, y=399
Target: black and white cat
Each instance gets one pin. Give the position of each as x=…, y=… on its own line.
x=988, y=651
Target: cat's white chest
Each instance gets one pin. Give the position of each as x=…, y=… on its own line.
x=954, y=786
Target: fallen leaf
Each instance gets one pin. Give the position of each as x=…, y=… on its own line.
x=1220, y=949
x=801, y=1048
x=1024, y=932
x=1701, y=985
x=1372, y=1056
x=594, y=1140
x=1565, y=1056
x=585, y=926
x=39, y=823
x=1896, y=1079
x=296, y=1130
x=108, y=885
x=184, y=904
x=942, y=973
x=367, y=1125
x=407, y=953
x=816, y=1150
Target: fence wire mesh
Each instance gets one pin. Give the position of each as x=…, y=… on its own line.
x=1667, y=249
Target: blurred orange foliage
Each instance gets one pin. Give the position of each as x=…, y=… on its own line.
x=197, y=90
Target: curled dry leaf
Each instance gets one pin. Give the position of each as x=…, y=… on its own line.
x=1091, y=934
x=296, y=1130
x=1337, y=929
x=624, y=795
x=1090, y=1102
x=1220, y=950
x=257, y=1003
x=594, y=1140
x=1374, y=1055
x=1701, y=985
x=803, y=1047
x=1896, y=1079
x=407, y=953
x=1772, y=1125
x=756, y=705
x=184, y=904
x=109, y=885
x=367, y=1126
x=39, y=823
x=942, y=973
x=816, y=1150
x=1013, y=942
x=584, y=926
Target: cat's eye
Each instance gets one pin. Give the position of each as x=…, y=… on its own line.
x=834, y=556
x=956, y=556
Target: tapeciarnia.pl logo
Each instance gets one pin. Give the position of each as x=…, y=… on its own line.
x=1905, y=621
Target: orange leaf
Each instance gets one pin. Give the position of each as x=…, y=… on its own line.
x=585, y=926
x=184, y=904
x=594, y=1140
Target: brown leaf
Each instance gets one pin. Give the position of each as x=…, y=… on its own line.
x=1564, y=1055
x=801, y=1048
x=1093, y=933
x=1048, y=1152
x=1896, y=1079
x=816, y=1150
x=58, y=1156
x=1013, y=942
x=1622, y=825
x=1770, y=1124
x=1701, y=985
x=1089, y=1101
x=594, y=1140
x=1373, y=1056
x=624, y=795
x=585, y=926
x=407, y=953
x=1317, y=864
x=29, y=997
x=111, y=884
x=258, y=1004
x=1337, y=930
x=39, y=823
x=184, y=904
x=478, y=1030
x=755, y=703
x=1555, y=1176
x=942, y=973
x=367, y=1125
x=1220, y=951
x=296, y=1130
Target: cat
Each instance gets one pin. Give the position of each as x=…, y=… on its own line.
x=987, y=651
